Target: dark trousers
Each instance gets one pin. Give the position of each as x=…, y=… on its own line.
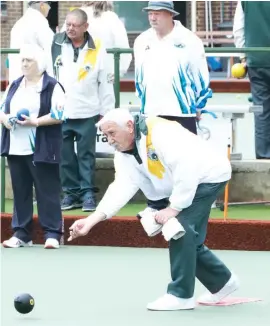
x=46, y=179
x=260, y=88
x=78, y=170
x=187, y=122
x=189, y=257
x=190, y=124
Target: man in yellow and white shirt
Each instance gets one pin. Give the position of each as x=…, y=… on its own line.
x=105, y=24
x=79, y=62
x=147, y=159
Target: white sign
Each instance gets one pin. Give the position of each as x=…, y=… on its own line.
x=102, y=145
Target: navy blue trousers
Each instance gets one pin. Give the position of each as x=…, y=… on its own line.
x=46, y=179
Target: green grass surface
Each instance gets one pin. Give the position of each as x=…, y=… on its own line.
x=131, y=277
x=247, y=212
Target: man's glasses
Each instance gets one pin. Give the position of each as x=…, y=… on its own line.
x=74, y=25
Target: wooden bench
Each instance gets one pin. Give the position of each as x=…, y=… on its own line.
x=216, y=39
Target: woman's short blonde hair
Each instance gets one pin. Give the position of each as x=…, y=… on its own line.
x=99, y=6
x=36, y=53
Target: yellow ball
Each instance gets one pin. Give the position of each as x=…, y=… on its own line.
x=238, y=70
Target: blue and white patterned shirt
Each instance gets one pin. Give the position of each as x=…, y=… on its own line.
x=171, y=74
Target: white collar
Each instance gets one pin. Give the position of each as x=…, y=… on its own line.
x=37, y=87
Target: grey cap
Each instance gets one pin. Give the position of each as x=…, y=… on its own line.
x=161, y=5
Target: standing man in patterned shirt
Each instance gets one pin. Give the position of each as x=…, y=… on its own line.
x=171, y=72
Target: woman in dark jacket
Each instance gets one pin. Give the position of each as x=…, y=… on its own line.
x=31, y=141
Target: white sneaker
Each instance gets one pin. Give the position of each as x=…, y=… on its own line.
x=210, y=298
x=170, y=302
x=15, y=242
x=51, y=244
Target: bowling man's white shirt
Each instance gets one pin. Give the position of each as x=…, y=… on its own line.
x=172, y=165
x=171, y=74
x=22, y=138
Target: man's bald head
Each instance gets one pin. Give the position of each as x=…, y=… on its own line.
x=76, y=25
x=119, y=116
x=80, y=14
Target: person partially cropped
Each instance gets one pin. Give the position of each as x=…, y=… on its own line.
x=32, y=28
x=171, y=73
x=31, y=142
x=251, y=29
x=187, y=171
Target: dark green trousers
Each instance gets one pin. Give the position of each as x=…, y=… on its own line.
x=260, y=88
x=78, y=169
x=189, y=257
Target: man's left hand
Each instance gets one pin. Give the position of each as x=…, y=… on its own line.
x=165, y=214
x=28, y=121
